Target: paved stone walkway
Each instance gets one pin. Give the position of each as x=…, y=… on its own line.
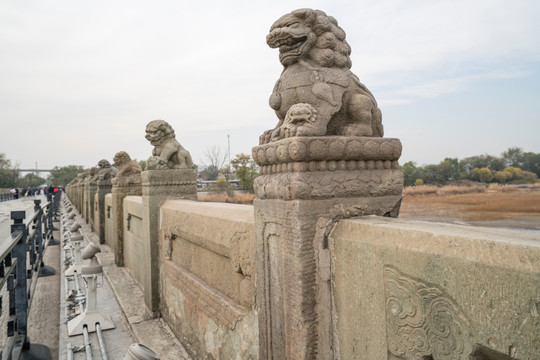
x=119, y=296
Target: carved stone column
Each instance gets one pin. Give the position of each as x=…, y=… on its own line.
x=169, y=175
x=306, y=183
x=77, y=194
x=158, y=186
x=80, y=192
x=104, y=187
x=122, y=186
x=85, y=201
x=91, y=191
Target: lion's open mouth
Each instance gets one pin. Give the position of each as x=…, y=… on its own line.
x=291, y=44
x=288, y=44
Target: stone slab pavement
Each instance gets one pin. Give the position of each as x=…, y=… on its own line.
x=119, y=297
x=122, y=297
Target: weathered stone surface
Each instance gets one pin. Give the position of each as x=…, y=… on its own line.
x=410, y=290
x=157, y=186
x=91, y=189
x=167, y=152
x=208, y=293
x=317, y=94
x=127, y=169
x=329, y=167
x=105, y=170
x=134, y=238
x=127, y=182
x=326, y=160
x=351, y=149
x=291, y=285
x=104, y=186
x=109, y=222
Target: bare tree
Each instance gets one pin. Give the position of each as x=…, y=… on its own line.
x=214, y=161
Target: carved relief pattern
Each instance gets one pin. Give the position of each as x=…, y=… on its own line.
x=423, y=321
x=336, y=148
x=242, y=253
x=329, y=184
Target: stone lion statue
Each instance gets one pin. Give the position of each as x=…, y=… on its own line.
x=167, y=152
x=126, y=166
x=105, y=170
x=92, y=174
x=316, y=76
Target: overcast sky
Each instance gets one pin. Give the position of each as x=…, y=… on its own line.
x=79, y=80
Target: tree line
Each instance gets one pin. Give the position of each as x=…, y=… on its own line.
x=513, y=166
x=242, y=168
x=10, y=175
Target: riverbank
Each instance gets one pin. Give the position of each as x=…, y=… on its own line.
x=504, y=207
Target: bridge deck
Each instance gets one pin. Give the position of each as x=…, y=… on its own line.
x=119, y=297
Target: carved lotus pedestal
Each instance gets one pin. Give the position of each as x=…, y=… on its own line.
x=104, y=187
x=122, y=186
x=158, y=186
x=306, y=184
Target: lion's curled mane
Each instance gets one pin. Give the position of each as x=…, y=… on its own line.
x=316, y=60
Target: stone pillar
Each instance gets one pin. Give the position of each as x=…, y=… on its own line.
x=122, y=186
x=91, y=191
x=85, y=201
x=306, y=184
x=158, y=186
x=80, y=191
x=103, y=188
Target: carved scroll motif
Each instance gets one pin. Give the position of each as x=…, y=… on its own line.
x=423, y=321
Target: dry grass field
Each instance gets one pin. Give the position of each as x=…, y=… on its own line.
x=475, y=204
x=222, y=197
x=496, y=205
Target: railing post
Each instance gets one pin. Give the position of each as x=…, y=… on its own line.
x=21, y=292
x=56, y=201
x=38, y=223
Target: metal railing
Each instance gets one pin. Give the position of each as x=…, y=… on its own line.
x=21, y=259
x=6, y=196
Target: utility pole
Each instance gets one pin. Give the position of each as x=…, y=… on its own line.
x=229, y=150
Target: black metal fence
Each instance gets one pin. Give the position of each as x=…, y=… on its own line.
x=21, y=259
x=6, y=196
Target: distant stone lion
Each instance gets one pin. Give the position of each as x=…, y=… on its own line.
x=167, y=152
x=106, y=171
x=315, y=56
x=125, y=165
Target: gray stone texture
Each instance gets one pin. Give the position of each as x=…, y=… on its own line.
x=167, y=152
x=122, y=186
x=208, y=257
x=104, y=186
x=406, y=289
x=325, y=160
x=127, y=182
x=90, y=192
x=157, y=186
x=317, y=94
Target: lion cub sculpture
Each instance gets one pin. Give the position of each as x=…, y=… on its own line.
x=167, y=152
x=317, y=94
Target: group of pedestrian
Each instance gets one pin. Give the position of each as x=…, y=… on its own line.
x=33, y=191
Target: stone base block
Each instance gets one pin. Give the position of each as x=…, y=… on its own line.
x=180, y=183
